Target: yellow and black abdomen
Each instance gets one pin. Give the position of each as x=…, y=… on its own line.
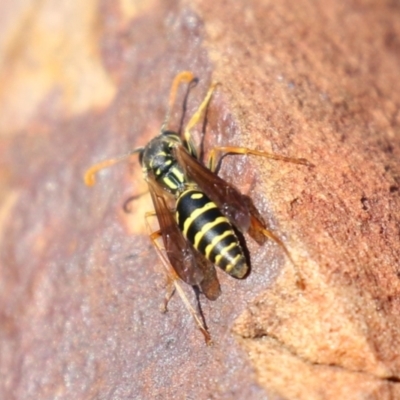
x=210, y=232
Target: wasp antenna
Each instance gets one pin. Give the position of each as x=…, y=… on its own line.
x=127, y=204
x=194, y=82
x=90, y=173
x=89, y=176
x=197, y=115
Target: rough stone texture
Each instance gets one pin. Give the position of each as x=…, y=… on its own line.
x=80, y=285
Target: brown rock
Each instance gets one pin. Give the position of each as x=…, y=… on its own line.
x=80, y=285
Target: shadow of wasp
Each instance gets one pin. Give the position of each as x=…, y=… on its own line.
x=198, y=212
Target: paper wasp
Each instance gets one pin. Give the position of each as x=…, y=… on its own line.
x=198, y=212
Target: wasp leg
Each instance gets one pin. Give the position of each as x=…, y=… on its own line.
x=173, y=280
x=257, y=228
x=212, y=162
x=182, y=77
x=196, y=117
x=170, y=280
x=149, y=214
x=127, y=204
x=170, y=291
x=90, y=173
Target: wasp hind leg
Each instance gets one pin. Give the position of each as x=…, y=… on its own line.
x=258, y=230
x=173, y=284
x=260, y=233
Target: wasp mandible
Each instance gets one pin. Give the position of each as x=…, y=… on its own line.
x=198, y=212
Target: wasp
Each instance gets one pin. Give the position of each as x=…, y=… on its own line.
x=198, y=212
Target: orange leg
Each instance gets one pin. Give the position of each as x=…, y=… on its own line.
x=212, y=162
x=260, y=228
x=173, y=281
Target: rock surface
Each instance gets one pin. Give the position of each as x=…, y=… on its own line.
x=80, y=284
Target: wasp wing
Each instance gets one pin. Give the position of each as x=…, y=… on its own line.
x=191, y=266
x=209, y=285
x=176, y=246
x=238, y=208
